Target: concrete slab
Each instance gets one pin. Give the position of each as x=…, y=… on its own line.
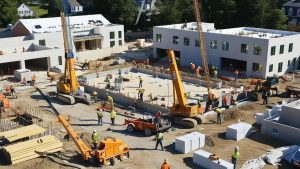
x=238, y=131
x=189, y=142
x=201, y=158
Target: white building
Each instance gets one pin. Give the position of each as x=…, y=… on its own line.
x=39, y=42
x=253, y=51
x=24, y=10
x=75, y=7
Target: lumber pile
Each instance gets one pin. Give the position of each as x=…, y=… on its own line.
x=22, y=132
x=30, y=149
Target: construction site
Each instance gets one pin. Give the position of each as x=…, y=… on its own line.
x=130, y=111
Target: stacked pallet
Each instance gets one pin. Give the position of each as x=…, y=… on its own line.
x=30, y=149
x=189, y=142
x=201, y=158
x=238, y=131
x=22, y=132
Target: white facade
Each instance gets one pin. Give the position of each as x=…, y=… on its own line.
x=94, y=40
x=249, y=46
x=24, y=10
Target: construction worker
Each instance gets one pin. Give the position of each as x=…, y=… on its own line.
x=95, y=139
x=157, y=117
x=110, y=100
x=236, y=72
x=161, y=69
x=141, y=94
x=100, y=116
x=113, y=115
x=198, y=72
x=235, y=156
x=95, y=95
x=12, y=90
x=24, y=81
x=218, y=111
x=159, y=139
x=193, y=66
x=33, y=80
x=165, y=165
x=141, y=82
x=225, y=101
x=215, y=73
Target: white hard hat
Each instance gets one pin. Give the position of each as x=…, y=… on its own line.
x=94, y=131
x=166, y=160
x=237, y=148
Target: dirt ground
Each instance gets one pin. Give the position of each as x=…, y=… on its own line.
x=142, y=153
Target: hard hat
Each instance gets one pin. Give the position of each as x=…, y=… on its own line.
x=237, y=148
x=100, y=109
x=166, y=160
x=94, y=131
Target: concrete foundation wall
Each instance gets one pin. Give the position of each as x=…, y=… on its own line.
x=291, y=114
x=124, y=100
x=281, y=131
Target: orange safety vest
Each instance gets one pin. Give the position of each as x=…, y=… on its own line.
x=165, y=166
x=5, y=103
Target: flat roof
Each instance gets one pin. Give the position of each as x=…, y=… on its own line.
x=293, y=3
x=190, y=26
x=46, y=25
x=255, y=32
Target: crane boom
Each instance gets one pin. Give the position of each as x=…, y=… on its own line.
x=70, y=82
x=83, y=148
x=202, y=48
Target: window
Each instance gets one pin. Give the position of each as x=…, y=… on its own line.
x=120, y=42
x=59, y=60
x=256, y=67
x=289, y=63
x=280, y=67
x=298, y=12
x=78, y=8
x=186, y=41
x=158, y=37
x=112, y=44
x=37, y=26
x=281, y=50
x=290, y=12
x=225, y=46
x=42, y=42
x=291, y=47
x=213, y=44
x=175, y=40
x=120, y=34
x=197, y=43
x=112, y=35
x=271, y=68
x=244, y=48
x=273, y=50
x=294, y=62
x=257, y=50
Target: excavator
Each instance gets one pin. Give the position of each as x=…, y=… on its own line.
x=109, y=149
x=67, y=86
x=183, y=113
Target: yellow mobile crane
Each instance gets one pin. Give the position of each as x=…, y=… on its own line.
x=183, y=113
x=68, y=87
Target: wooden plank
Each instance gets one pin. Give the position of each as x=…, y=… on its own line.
x=32, y=148
x=22, y=132
x=35, y=156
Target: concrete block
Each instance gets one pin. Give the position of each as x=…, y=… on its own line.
x=238, y=131
x=201, y=158
x=259, y=117
x=189, y=142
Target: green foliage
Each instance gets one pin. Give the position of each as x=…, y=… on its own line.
x=275, y=20
x=38, y=11
x=8, y=12
x=117, y=11
x=54, y=7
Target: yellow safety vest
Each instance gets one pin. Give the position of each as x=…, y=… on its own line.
x=159, y=136
x=95, y=137
x=218, y=110
x=113, y=114
x=236, y=155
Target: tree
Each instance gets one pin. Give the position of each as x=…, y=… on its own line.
x=275, y=19
x=167, y=14
x=54, y=7
x=8, y=11
x=117, y=11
